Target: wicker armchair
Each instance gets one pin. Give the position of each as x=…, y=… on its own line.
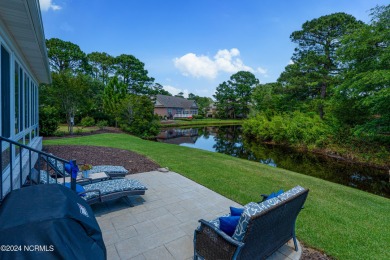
x=263, y=228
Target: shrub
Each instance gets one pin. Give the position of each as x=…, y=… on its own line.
x=87, y=121
x=102, y=124
x=59, y=133
x=198, y=116
x=48, y=120
x=296, y=129
x=138, y=118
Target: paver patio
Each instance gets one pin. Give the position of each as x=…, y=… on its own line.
x=162, y=222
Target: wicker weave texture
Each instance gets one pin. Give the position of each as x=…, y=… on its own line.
x=211, y=246
x=266, y=233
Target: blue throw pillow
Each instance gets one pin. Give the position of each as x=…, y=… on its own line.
x=228, y=224
x=274, y=194
x=79, y=188
x=236, y=211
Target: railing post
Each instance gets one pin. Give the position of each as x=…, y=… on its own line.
x=73, y=175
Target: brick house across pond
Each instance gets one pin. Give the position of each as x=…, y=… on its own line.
x=174, y=107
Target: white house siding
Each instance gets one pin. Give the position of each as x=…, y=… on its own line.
x=19, y=100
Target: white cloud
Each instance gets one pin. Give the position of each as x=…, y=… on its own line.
x=290, y=62
x=46, y=5
x=175, y=91
x=225, y=60
x=196, y=66
x=262, y=71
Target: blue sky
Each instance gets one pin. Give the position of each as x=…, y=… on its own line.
x=192, y=46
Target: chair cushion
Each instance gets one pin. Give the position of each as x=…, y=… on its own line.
x=251, y=209
x=286, y=195
x=228, y=224
x=236, y=211
x=111, y=186
x=60, y=166
x=109, y=169
x=43, y=178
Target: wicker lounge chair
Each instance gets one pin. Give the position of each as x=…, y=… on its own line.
x=113, y=171
x=262, y=229
x=100, y=191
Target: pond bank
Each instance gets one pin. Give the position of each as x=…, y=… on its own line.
x=327, y=152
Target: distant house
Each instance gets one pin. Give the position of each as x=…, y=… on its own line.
x=174, y=107
x=24, y=65
x=211, y=110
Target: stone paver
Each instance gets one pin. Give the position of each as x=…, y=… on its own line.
x=161, y=223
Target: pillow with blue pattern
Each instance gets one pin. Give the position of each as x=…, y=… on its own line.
x=228, y=224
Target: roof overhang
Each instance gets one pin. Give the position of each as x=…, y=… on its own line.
x=23, y=23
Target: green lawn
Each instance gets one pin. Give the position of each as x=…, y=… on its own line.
x=344, y=222
x=201, y=122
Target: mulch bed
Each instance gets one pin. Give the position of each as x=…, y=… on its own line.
x=134, y=163
x=96, y=155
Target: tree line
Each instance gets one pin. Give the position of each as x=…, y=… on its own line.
x=97, y=87
x=335, y=92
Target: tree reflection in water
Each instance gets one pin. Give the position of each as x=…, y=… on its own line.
x=229, y=140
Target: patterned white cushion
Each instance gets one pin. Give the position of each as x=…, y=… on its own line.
x=58, y=164
x=253, y=208
x=109, y=169
x=288, y=194
x=43, y=178
x=105, y=187
x=110, y=186
x=98, y=168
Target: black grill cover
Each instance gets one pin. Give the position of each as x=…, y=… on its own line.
x=48, y=221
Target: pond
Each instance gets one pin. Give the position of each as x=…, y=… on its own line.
x=229, y=140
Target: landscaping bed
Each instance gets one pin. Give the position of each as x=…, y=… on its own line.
x=97, y=155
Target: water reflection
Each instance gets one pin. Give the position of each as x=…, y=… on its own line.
x=229, y=140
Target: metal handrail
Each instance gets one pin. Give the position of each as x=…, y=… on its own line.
x=30, y=151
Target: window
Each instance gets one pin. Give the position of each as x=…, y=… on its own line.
x=21, y=95
x=5, y=93
x=31, y=103
x=26, y=101
x=17, y=118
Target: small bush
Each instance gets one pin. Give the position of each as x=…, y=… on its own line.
x=59, y=133
x=198, y=117
x=48, y=120
x=87, y=121
x=102, y=124
x=78, y=131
